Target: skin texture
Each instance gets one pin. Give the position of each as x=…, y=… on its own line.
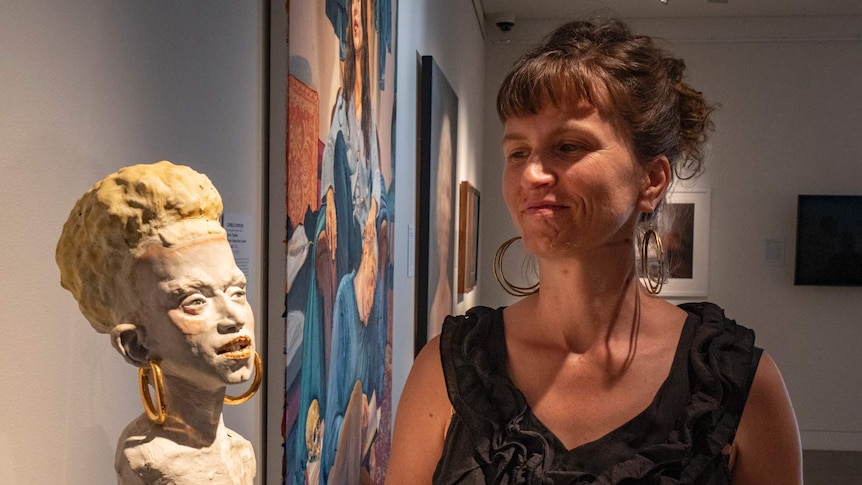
x=570, y=184
x=591, y=349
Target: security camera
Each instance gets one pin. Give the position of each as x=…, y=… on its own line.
x=504, y=21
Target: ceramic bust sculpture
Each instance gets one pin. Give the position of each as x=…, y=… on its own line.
x=144, y=255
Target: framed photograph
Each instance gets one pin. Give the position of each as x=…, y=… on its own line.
x=435, y=204
x=468, y=237
x=684, y=231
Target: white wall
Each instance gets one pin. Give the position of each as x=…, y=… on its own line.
x=89, y=86
x=86, y=87
x=789, y=124
x=449, y=31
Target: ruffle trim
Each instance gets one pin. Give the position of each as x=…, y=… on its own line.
x=721, y=362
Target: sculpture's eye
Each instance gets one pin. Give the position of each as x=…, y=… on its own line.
x=193, y=303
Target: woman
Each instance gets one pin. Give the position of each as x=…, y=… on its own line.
x=593, y=379
x=350, y=185
x=144, y=255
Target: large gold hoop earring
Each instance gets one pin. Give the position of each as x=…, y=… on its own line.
x=157, y=413
x=653, y=277
x=255, y=384
x=507, y=285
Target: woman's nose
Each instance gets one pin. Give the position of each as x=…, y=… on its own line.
x=537, y=172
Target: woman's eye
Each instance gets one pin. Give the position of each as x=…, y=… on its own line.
x=569, y=147
x=517, y=155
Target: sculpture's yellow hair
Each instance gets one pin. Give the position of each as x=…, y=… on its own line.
x=113, y=222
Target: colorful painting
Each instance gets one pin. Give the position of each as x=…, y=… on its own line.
x=435, y=232
x=340, y=189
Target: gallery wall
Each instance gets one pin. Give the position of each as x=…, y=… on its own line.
x=89, y=86
x=449, y=31
x=92, y=85
x=86, y=87
x=788, y=124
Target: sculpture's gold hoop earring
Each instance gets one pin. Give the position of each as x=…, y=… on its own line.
x=507, y=285
x=157, y=412
x=255, y=384
x=653, y=277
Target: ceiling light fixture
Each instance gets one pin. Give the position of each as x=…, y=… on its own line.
x=663, y=1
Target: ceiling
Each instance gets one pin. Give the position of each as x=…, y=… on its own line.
x=558, y=9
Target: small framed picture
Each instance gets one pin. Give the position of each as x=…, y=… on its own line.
x=468, y=237
x=684, y=231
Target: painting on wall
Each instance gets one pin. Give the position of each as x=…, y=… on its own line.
x=340, y=188
x=435, y=204
x=685, y=240
x=468, y=237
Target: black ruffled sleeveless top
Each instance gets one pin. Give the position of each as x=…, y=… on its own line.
x=494, y=438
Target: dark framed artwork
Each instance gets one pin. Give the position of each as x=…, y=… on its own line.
x=435, y=204
x=685, y=240
x=468, y=237
x=339, y=112
x=828, y=240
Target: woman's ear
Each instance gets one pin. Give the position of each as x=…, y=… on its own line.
x=128, y=340
x=657, y=176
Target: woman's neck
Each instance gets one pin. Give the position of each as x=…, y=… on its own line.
x=587, y=300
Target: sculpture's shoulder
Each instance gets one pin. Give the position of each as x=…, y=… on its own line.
x=242, y=452
x=147, y=454
x=138, y=460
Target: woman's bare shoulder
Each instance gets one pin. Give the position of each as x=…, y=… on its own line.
x=421, y=420
x=767, y=441
x=426, y=384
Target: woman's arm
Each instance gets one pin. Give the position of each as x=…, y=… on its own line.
x=421, y=421
x=767, y=443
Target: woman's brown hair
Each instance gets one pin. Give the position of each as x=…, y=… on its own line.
x=624, y=75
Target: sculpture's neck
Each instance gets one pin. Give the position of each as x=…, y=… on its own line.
x=192, y=411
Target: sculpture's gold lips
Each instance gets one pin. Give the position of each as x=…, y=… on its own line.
x=238, y=348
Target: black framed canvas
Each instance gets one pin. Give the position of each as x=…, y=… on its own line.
x=435, y=204
x=829, y=240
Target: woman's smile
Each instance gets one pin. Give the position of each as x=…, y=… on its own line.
x=543, y=208
x=570, y=178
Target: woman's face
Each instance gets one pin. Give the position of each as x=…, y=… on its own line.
x=571, y=181
x=194, y=312
x=356, y=21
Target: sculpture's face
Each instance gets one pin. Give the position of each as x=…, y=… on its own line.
x=194, y=312
x=356, y=24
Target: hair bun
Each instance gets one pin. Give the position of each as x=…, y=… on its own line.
x=674, y=68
